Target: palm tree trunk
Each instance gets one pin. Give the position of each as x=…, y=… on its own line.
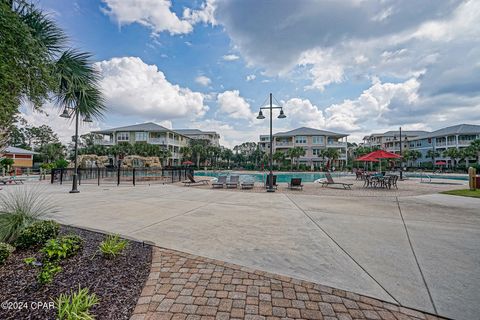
x=198, y=161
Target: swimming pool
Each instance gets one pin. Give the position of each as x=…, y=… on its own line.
x=260, y=177
x=436, y=176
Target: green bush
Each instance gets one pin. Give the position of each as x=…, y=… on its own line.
x=37, y=233
x=61, y=163
x=112, y=246
x=49, y=270
x=76, y=306
x=5, y=251
x=19, y=209
x=62, y=248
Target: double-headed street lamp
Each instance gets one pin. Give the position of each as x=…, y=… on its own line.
x=280, y=116
x=67, y=113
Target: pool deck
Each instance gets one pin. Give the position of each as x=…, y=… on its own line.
x=412, y=247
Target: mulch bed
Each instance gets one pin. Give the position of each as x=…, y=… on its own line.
x=117, y=282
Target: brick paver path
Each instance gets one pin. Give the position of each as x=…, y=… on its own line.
x=183, y=286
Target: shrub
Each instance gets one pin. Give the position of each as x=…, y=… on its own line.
x=37, y=233
x=5, y=251
x=19, y=209
x=49, y=270
x=76, y=306
x=112, y=246
x=62, y=248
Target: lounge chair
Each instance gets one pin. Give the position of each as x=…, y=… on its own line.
x=192, y=181
x=330, y=181
x=295, y=183
x=12, y=179
x=274, y=180
x=233, y=183
x=220, y=182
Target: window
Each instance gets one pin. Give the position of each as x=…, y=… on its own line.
x=316, y=151
x=123, y=136
x=317, y=140
x=301, y=139
x=141, y=136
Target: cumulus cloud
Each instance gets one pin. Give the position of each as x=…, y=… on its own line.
x=155, y=14
x=303, y=113
x=203, y=80
x=230, y=57
x=250, y=77
x=206, y=13
x=235, y=106
x=134, y=88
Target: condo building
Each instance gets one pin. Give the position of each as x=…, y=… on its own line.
x=311, y=140
x=153, y=133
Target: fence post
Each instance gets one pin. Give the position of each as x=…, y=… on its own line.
x=61, y=176
x=52, y=175
x=133, y=174
x=79, y=176
x=118, y=176
x=98, y=175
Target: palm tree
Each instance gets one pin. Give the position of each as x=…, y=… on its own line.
x=295, y=153
x=278, y=157
x=227, y=154
x=198, y=150
x=454, y=154
x=37, y=66
x=186, y=153
x=432, y=154
x=474, y=148
x=333, y=154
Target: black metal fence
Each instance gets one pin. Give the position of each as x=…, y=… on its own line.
x=122, y=176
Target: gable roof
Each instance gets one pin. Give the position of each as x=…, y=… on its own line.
x=147, y=126
x=453, y=130
x=308, y=132
x=193, y=131
x=405, y=133
x=15, y=150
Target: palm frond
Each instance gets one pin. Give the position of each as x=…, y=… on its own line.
x=78, y=86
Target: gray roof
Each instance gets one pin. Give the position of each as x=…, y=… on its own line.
x=308, y=132
x=406, y=133
x=147, y=126
x=193, y=131
x=16, y=150
x=453, y=130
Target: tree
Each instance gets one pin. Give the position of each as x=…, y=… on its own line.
x=454, y=154
x=36, y=67
x=333, y=154
x=186, y=153
x=474, y=148
x=279, y=157
x=411, y=155
x=52, y=151
x=227, y=154
x=432, y=154
x=295, y=153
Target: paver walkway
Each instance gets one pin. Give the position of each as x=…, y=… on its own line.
x=183, y=286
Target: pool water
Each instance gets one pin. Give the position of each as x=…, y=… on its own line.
x=437, y=176
x=261, y=177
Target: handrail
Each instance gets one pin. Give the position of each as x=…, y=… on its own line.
x=426, y=176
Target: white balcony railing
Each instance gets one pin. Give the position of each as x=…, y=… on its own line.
x=157, y=141
x=336, y=144
x=104, y=142
x=284, y=144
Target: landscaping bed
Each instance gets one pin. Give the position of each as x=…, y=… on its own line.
x=116, y=282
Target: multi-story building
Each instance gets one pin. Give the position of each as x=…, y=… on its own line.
x=211, y=136
x=390, y=140
x=459, y=137
x=150, y=133
x=311, y=140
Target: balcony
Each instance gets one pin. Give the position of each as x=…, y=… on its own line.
x=440, y=144
x=162, y=141
x=283, y=144
x=104, y=142
x=336, y=144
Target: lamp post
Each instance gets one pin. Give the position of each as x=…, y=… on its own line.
x=67, y=114
x=401, y=161
x=280, y=116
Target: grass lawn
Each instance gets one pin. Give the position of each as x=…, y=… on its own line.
x=464, y=193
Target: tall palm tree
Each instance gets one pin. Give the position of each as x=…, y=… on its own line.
x=37, y=67
x=474, y=148
x=295, y=153
x=186, y=152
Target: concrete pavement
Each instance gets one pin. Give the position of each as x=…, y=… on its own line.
x=421, y=251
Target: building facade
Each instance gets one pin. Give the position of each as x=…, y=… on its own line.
x=311, y=140
x=211, y=136
x=458, y=136
x=22, y=158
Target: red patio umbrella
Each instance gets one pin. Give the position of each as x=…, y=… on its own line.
x=366, y=158
x=440, y=163
x=188, y=163
x=382, y=154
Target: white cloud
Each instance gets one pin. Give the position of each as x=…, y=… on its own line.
x=206, y=13
x=231, y=103
x=134, y=88
x=230, y=57
x=303, y=113
x=250, y=77
x=203, y=80
x=155, y=14
x=324, y=69
x=64, y=128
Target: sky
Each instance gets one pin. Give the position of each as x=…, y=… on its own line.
x=350, y=66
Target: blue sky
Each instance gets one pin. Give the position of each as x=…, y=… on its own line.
x=351, y=66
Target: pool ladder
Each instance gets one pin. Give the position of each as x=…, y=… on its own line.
x=424, y=177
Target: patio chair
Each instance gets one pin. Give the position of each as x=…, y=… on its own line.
x=192, y=181
x=392, y=181
x=247, y=184
x=233, y=183
x=274, y=180
x=220, y=182
x=295, y=183
x=330, y=182
x=12, y=179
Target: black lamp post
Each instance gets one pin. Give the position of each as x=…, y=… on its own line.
x=280, y=116
x=67, y=114
x=401, y=161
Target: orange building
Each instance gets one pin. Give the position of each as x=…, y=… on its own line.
x=22, y=158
